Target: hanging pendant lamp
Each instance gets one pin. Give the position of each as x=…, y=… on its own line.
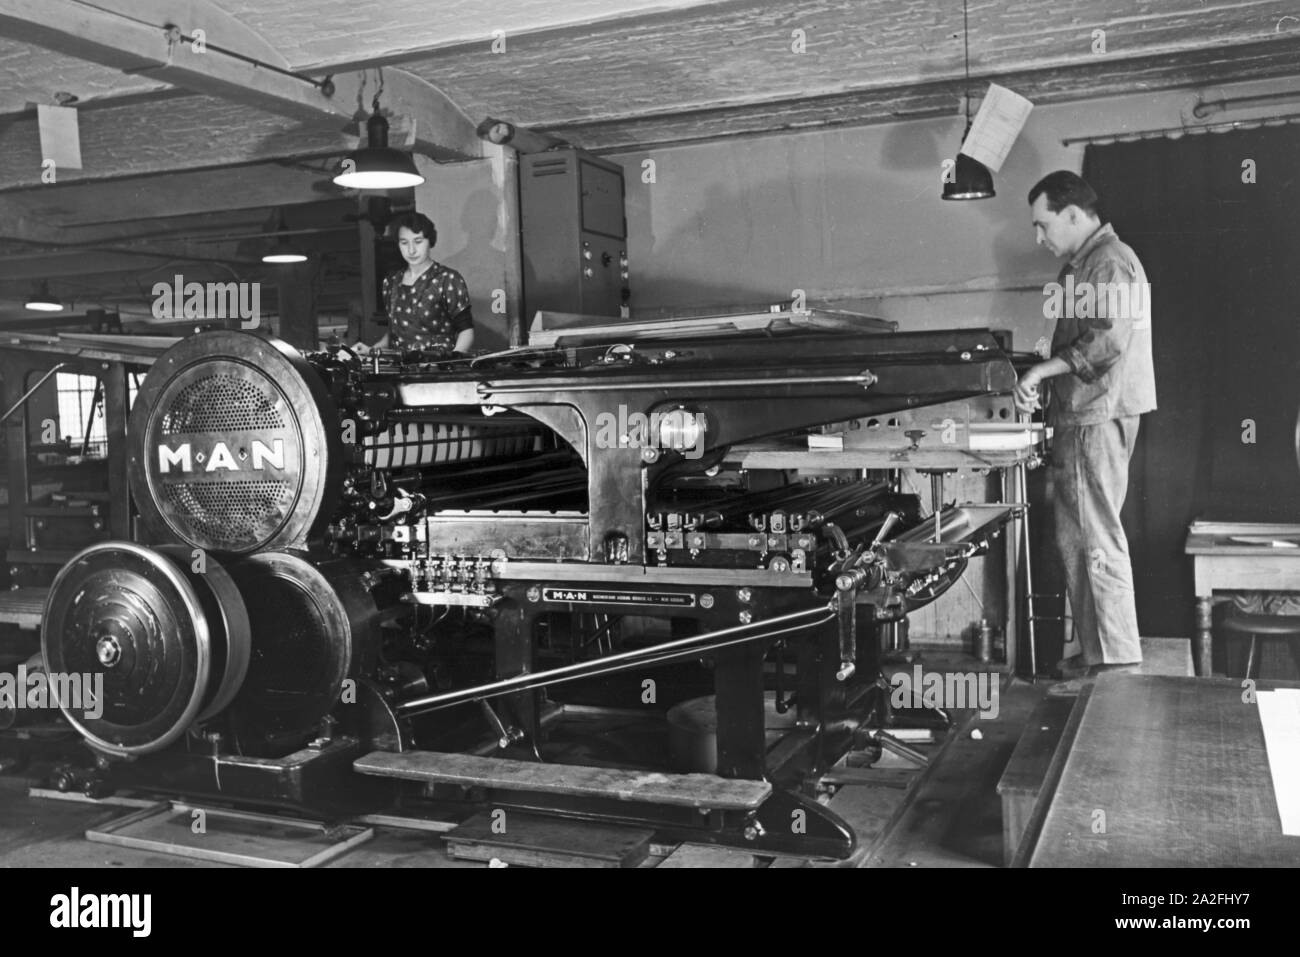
x=283, y=251
x=43, y=300
x=378, y=165
x=971, y=179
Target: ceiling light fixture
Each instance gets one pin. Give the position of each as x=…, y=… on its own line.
x=282, y=251
x=43, y=301
x=971, y=179
x=283, y=254
x=377, y=165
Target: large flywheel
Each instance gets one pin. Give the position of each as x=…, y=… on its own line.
x=165, y=636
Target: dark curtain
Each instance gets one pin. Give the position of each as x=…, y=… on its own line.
x=1223, y=259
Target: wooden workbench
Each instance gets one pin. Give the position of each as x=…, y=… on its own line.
x=1166, y=772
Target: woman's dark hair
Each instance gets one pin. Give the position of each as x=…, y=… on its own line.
x=1063, y=189
x=417, y=223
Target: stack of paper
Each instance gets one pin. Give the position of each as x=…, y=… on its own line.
x=1279, y=713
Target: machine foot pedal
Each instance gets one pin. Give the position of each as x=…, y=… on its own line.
x=467, y=770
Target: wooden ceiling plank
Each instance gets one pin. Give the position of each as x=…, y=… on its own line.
x=1203, y=68
x=742, y=53
x=325, y=35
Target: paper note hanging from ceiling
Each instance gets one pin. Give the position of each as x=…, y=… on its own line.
x=1279, y=715
x=999, y=121
x=60, y=138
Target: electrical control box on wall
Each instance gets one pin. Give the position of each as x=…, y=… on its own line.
x=574, y=234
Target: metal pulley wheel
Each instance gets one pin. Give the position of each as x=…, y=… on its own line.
x=239, y=447
x=227, y=618
x=314, y=627
x=171, y=643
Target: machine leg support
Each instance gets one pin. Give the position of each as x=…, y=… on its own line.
x=790, y=823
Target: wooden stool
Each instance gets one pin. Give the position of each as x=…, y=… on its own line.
x=1267, y=626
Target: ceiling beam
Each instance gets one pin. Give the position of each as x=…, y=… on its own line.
x=25, y=319
x=176, y=133
x=50, y=262
x=138, y=43
x=52, y=214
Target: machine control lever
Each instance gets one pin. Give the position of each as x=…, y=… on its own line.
x=846, y=584
x=892, y=519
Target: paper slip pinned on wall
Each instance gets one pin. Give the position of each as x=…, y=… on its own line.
x=60, y=137
x=1279, y=714
x=1001, y=117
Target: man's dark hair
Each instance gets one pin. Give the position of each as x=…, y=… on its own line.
x=417, y=223
x=1063, y=189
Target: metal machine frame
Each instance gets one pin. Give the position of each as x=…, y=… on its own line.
x=810, y=590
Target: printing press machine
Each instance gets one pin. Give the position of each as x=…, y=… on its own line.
x=346, y=582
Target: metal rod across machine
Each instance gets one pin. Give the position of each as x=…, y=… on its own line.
x=655, y=654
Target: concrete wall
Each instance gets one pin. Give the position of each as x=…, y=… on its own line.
x=478, y=234
x=853, y=216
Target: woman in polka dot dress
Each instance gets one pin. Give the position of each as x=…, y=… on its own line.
x=428, y=303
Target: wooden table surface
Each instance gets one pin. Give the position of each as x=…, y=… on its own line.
x=1167, y=772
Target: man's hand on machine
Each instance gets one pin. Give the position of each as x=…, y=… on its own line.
x=1026, y=395
x=1027, y=392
